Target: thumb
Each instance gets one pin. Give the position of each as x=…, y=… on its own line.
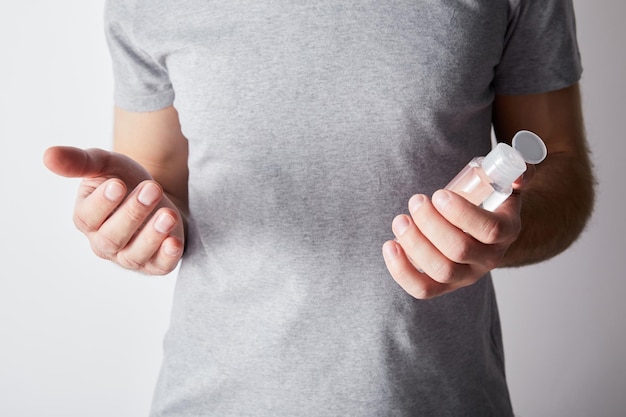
x=73, y=162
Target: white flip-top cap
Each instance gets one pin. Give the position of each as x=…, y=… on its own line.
x=530, y=146
x=504, y=164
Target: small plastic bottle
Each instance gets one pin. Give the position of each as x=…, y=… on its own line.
x=486, y=180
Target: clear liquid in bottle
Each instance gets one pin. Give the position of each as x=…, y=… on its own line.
x=487, y=181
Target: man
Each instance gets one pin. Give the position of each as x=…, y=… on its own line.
x=274, y=143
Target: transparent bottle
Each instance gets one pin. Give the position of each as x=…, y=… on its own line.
x=487, y=181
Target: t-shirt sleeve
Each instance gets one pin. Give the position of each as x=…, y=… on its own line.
x=541, y=51
x=141, y=81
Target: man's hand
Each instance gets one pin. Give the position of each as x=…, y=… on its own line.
x=121, y=209
x=447, y=243
x=455, y=243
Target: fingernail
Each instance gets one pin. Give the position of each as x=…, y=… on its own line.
x=441, y=199
x=149, y=194
x=416, y=202
x=113, y=191
x=400, y=224
x=164, y=223
x=390, y=249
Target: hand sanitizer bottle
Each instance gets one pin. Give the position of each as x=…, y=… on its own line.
x=486, y=180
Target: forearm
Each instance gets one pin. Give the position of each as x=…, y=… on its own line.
x=556, y=206
x=557, y=202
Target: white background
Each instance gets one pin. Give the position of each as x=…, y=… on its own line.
x=81, y=337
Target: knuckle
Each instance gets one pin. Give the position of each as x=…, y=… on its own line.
x=104, y=245
x=159, y=269
x=129, y=262
x=443, y=272
x=460, y=250
x=81, y=223
x=135, y=213
x=494, y=231
x=99, y=253
x=151, y=238
x=424, y=293
x=415, y=288
x=427, y=291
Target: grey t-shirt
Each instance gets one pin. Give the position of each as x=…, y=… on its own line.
x=310, y=124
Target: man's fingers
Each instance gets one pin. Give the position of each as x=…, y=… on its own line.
x=153, y=250
x=117, y=208
x=95, y=203
x=501, y=226
x=115, y=233
x=413, y=281
x=454, y=244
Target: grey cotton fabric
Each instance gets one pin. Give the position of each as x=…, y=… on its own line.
x=310, y=124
